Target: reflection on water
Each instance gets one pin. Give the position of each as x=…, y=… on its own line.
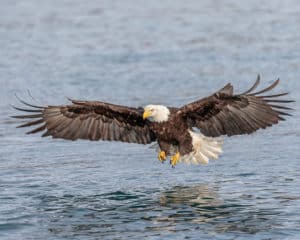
x=190, y=195
x=197, y=208
x=202, y=205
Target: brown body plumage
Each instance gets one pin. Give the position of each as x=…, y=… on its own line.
x=223, y=113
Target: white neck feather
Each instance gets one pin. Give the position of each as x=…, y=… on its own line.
x=162, y=114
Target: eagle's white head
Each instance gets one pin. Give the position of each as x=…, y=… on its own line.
x=156, y=113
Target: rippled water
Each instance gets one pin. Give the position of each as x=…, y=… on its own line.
x=133, y=53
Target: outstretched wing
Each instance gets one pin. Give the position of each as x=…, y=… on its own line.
x=225, y=113
x=91, y=120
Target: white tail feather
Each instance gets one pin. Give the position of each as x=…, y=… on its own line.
x=204, y=148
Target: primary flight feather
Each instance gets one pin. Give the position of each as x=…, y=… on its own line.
x=223, y=113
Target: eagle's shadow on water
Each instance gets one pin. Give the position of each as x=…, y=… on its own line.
x=180, y=208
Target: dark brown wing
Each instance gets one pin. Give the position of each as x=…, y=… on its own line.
x=224, y=113
x=88, y=120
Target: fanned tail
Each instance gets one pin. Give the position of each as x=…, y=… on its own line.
x=204, y=149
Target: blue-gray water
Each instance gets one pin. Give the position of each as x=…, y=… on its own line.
x=133, y=53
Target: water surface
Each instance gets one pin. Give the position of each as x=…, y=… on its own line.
x=134, y=53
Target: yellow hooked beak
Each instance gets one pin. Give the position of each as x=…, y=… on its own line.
x=147, y=113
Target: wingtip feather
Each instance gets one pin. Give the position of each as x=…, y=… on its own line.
x=27, y=104
x=254, y=86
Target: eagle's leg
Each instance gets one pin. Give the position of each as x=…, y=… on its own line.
x=174, y=159
x=164, y=150
x=162, y=156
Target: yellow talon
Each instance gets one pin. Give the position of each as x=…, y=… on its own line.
x=175, y=159
x=162, y=156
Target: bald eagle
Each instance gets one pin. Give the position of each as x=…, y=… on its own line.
x=187, y=134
